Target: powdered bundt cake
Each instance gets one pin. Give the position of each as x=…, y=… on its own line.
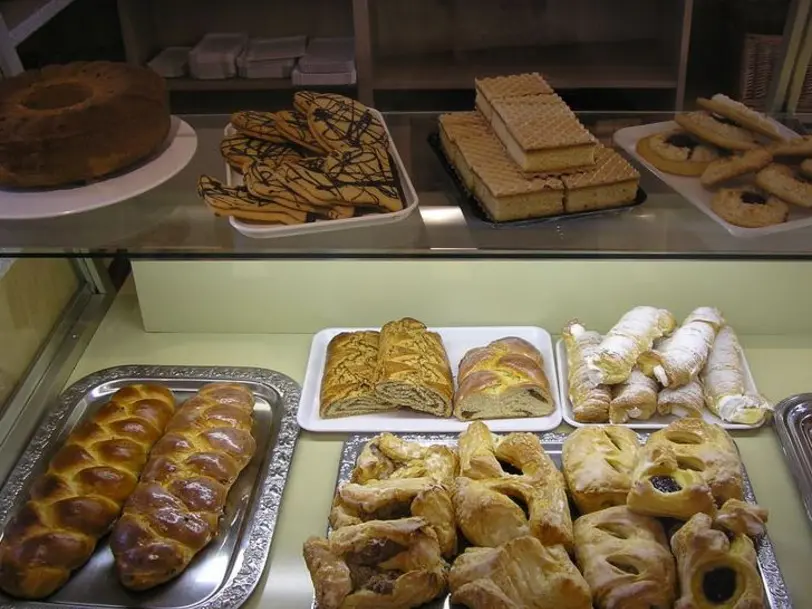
x=73, y=123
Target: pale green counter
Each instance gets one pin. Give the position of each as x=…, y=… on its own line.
x=781, y=367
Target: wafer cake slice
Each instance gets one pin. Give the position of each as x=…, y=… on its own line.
x=489, y=90
x=611, y=183
x=455, y=127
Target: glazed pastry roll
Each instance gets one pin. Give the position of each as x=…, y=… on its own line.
x=628, y=339
x=597, y=463
x=348, y=384
x=521, y=574
x=625, y=559
x=635, y=398
x=715, y=571
x=684, y=354
x=413, y=369
x=590, y=402
x=726, y=395
x=685, y=401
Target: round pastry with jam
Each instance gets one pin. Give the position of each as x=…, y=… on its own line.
x=677, y=152
x=749, y=208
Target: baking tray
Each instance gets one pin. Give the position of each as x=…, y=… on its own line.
x=657, y=421
x=457, y=342
x=776, y=595
x=793, y=421
x=692, y=189
x=478, y=211
x=225, y=573
x=404, y=183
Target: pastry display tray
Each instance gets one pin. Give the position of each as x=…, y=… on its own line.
x=224, y=574
x=475, y=208
x=793, y=422
x=775, y=590
x=407, y=192
x=655, y=422
x=691, y=189
x=457, y=342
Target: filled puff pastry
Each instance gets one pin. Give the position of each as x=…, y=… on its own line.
x=387, y=456
x=634, y=398
x=590, y=402
x=741, y=518
x=484, y=454
x=598, y=464
x=398, y=498
x=625, y=560
x=348, y=384
x=683, y=355
x=412, y=369
x=628, y=339
x=521, y=574
x=715, y=572
x=726, y=395
x=685, y=401
x=377, y=565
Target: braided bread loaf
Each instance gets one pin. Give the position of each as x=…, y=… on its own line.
x=81, y=494
x=175, y=510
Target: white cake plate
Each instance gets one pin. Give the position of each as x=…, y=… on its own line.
x=175, y=153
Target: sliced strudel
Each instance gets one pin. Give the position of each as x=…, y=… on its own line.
x=348, y=384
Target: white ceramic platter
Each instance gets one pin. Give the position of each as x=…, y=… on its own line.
x=457, y=342
x=175, y=153
x=691, y=189
x=264, y=231
x=655, y=422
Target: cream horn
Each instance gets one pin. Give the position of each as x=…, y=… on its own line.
x=590, y=402
x=636, y=398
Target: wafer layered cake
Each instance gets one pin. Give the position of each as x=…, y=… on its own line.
x=488, y=90
x=612, y=182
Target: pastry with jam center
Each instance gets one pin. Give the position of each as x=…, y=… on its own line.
x=749, y=208
x=783, y=182
x=677, y=152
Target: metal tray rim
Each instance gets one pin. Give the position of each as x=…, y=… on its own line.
x=792, y=449
x=260, y=519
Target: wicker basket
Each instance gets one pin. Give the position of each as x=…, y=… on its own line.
x=759, y=57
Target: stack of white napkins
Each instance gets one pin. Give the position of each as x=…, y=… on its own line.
x=327, y=61
x=215, y=56
x=271, y=57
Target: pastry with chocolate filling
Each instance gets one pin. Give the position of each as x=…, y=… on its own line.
x=677, y=152
x=783, y=182
x=749, y=208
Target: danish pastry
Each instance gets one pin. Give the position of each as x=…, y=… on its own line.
x=348, y=383
x=715, y=572
x=749, y=208
x=377, y=565
x=387, y=456
x=677, y=152
x=625, y=560
x=590, y=401
x=741, y=518
x=634, y=398
x=521, y=574
x=598, y=464
x=486, y=455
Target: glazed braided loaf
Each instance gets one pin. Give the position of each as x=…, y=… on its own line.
x=175, y=510
x=81, y=494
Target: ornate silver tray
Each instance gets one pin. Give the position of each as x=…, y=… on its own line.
x=793, y=421
x=225, y=573
x=775, y=590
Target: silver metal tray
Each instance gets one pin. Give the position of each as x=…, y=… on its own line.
x=225, y=573
x=775, y=591
x=793, y=420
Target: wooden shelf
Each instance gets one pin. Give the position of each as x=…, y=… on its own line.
x=24, y=17
x=631, y=65
x=237, y=84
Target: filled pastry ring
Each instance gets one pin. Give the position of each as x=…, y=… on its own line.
x=376, y=565
x=387, y=456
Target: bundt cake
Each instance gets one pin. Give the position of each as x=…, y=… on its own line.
x=73, y=123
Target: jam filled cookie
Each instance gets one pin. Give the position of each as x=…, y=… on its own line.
x=258, y=125
x=717, y=130
x=748, y=208
x=798, y=146
x=727, y=168
x=737, y=112
x=341, y=123
x=782, y=182
x=677, y=152
x=240, y=151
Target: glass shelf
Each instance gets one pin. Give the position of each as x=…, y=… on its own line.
x=171, y=221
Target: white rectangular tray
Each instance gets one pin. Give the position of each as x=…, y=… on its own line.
x=457, y=342
x=691, y=189
x=264, y=231
x=655, y=422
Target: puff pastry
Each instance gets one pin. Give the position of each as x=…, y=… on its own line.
x=388, y=456
x=377, y=565
x=684, y=354
x=685, y=401
x=598, y=464
x=505, y=379
x=625, y=559
x=628, y=339
x=590, y=401
x=741, y=518
x=348, y=384
x=634, y=398
x=715, y=572
x=484, y=454
x=412, y=369
x=725, y=393
x=521, y=574
x=398, y=498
